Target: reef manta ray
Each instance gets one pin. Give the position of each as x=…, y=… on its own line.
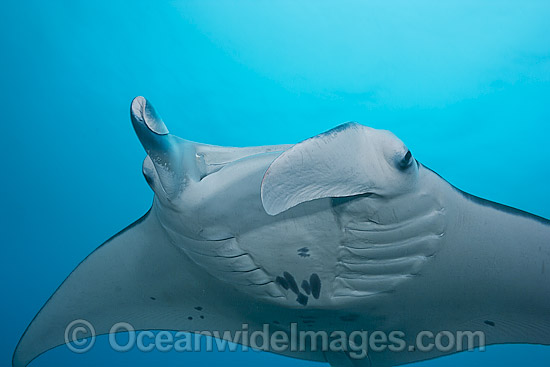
x=342, y=231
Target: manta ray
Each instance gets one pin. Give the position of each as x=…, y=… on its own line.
x=343, y=231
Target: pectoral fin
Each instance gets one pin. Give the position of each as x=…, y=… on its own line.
x=136, y=277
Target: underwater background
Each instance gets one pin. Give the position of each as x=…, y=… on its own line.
x=465, y=84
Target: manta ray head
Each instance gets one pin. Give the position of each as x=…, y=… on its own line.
x=346, y=161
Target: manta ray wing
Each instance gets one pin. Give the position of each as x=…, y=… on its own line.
x=136, y=277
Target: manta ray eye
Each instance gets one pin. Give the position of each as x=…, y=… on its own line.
x=406, y=161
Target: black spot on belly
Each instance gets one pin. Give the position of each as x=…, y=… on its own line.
x=303, y=252
x=306, y=287
x=189, y=318
x=302, y=299
x=153, y=298
x=202, y=317
x=198, y=308
x=291, y=282
x=282, y=282
x=490, y=323
x=315, y=283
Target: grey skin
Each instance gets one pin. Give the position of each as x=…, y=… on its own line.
x=345, y=231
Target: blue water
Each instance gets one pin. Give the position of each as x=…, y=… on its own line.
x=466, y=85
